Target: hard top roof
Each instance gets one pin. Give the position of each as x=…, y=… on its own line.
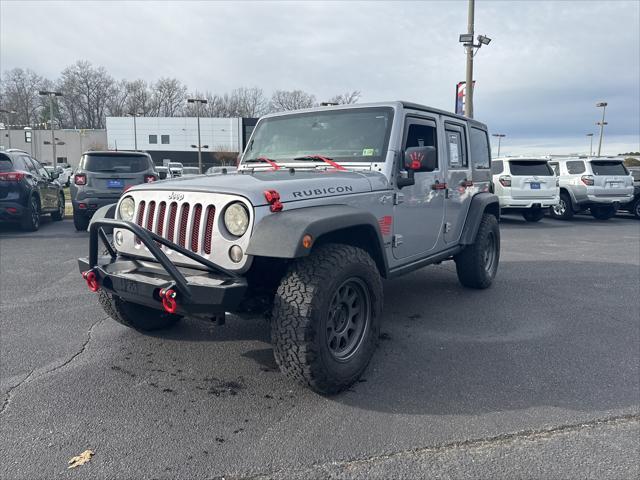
x=115, y=153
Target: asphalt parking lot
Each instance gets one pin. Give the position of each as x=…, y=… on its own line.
x=536, y=377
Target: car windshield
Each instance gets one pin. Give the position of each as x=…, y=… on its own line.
x=608, y=168
x=114, y=163
x=529, y=167
x=353, y=135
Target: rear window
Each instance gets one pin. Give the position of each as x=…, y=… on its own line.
x=575, y=166
x=5, y=164
x=540, y=168
x=115, y=163
x=608, y=168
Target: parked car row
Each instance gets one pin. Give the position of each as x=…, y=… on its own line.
x=564, y=187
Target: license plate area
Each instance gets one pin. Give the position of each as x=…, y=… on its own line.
x=614, y=184
x=535, y=185
x=115, y=183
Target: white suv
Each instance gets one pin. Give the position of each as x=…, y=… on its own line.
x=599, y=184
x=526, y=185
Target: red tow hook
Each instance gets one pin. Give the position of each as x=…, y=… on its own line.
x=168, y=297
x=92, y=280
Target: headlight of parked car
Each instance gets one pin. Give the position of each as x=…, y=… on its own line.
x=236, y=219
x=126, y=208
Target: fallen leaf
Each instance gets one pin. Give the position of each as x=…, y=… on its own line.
x=81, y=459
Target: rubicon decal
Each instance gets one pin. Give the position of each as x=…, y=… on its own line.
x=317, y=192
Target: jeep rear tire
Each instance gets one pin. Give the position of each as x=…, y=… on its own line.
x=478, y=263
x=132, y=315
x=533, y=214
x=80, y=222
x=564, y=209
x=603, y=212
x=326, y=317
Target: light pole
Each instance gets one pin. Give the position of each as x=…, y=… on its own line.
x=51, y=95
x=472, y=49
x=8, y=112
x=590, y=135
x=135, y=131
x=198, y=102
x=601, y=123
x=500, y=137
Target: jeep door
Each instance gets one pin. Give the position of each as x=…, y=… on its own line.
x=419, y=211
x=459, y=185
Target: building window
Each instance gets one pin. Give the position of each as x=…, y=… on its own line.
x=27, y=136
x=61, y=160
x=164, y=139
x=153, y=139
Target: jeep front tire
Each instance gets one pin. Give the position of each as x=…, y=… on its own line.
x=132, y=315
x=477, y=264
x=326, y=315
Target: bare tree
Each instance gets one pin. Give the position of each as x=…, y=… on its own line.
x=19, y=91
x=138, y=97
x=347, y=98
x=291, y=100
x=168, y=98
x=86, y=89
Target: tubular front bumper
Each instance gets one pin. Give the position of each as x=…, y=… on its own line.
x=198, y=292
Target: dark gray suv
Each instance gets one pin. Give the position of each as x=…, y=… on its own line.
x=101, y=178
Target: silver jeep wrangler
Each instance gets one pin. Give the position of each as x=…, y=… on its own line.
x=325, y=203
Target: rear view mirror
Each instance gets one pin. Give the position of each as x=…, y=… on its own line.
x=421, y=159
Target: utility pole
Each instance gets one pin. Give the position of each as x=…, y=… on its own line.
x=500, y=137
x=467, y=40
x=590, y=135
x=198, y=101
x=135, y=131
x=8, y=112
x=601, y=123
x=53, y=138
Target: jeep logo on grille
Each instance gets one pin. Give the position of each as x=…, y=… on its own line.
x=176, y=196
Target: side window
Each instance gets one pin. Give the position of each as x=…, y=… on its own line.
x=153, y=138
x=19, y=163
x=456, y=149
x=575, y=167
x=420, y=135
x=480, y=149
x=497, y=167
x=41, y=170
x=556, y=168
x=31, y=166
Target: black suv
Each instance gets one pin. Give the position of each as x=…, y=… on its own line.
x=101, y=178
x=27, y=190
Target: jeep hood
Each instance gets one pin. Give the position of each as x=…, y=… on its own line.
x=292, y=186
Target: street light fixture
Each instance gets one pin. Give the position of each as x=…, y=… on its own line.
x=467, y=40
x=51, y=95
x=135, y=132
x=8, y=112
x=590, y=135
x=198, y=102
x=500, y=136
x=602, y=123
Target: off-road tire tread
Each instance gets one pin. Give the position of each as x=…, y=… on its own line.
x=142, y=319
x=470, y=262
x=292, y=331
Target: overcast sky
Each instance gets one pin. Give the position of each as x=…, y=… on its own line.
x=538, y=80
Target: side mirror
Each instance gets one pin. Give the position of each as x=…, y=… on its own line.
x=420, y=159
x=53, y=175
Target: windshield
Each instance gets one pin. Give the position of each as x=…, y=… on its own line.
x=354, y=135
x=529, y=167
x=608, y=168
x=115, y=163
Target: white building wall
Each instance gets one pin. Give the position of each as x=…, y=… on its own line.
x=220, y=134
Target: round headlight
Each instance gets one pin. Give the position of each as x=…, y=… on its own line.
x=236, y=219
x=126, y=209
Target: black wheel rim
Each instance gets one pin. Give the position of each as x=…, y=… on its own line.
x=35, y=214
x=490, y=252
x=348, y=318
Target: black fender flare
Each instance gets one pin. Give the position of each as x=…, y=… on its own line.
x=280, y=235
x=480, y=203
x=107, y=211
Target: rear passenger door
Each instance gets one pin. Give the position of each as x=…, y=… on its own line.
x=460, y=185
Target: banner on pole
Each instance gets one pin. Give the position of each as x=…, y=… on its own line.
x=461, y=93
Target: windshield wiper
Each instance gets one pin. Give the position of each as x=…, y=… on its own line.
x=265, y=160
x=335, y=165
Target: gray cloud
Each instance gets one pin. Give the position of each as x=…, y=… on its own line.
x=548, y=63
